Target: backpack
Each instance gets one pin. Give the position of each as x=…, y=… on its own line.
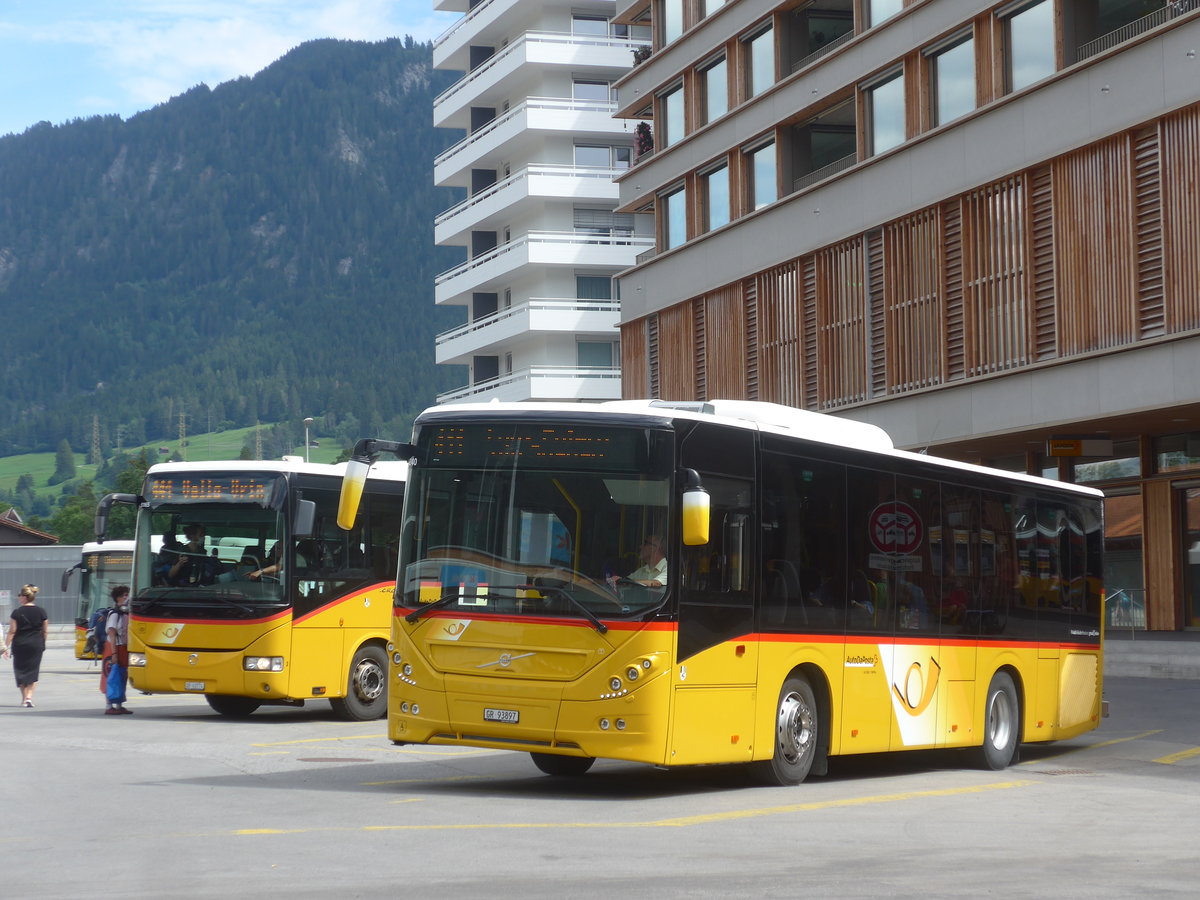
x=97, y=632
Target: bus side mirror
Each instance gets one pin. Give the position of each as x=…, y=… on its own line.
x=105, y=504
x=304, y=519
x=695, y=509
x=66, y=576
x=353, y=483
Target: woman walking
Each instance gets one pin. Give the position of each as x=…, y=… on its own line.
x=27, y=631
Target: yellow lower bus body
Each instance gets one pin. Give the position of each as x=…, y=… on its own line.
x=566, y=689
x=206, y=657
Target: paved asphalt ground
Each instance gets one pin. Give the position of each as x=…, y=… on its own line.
x=176, y=801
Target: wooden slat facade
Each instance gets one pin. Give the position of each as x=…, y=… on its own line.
x=1095, y=250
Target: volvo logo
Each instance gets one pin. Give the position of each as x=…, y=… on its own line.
x=193, y=659
x=505, y=660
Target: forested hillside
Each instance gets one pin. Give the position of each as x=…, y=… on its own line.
x=258, y=252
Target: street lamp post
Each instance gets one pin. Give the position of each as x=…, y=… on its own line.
x=307, y=423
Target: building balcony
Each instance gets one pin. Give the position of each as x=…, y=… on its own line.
x=517, y=134
x=491, y=21
x=502, y=76
x=543, y=383
x=521, y=193
x=493, y=269
x=489, y=333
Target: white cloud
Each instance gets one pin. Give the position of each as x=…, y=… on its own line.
x=150, y=50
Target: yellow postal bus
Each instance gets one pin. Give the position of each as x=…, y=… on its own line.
x=246, y=592
x=101, y=568
x=730, y=582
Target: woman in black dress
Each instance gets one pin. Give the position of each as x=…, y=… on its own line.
x=27, y=630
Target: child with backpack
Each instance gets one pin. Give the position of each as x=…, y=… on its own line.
x=116, y=649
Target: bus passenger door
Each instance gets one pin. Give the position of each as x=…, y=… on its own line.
x=716, y=665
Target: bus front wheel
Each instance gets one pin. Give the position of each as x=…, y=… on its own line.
x=797, y=730
x=366, y=687
x=1001, y=723
x=232, y=707
x=553, y=764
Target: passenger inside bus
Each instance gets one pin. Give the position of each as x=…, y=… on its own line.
x=194, y=566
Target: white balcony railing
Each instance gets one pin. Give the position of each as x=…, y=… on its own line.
x=598, y=174
x=605, y=108
x=544, y=383
x=1169, y=11
x=551, y=240
x=533, y=305
x=531, y=41
x=479, y=10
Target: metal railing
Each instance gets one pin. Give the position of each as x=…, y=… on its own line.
x=557, y=104
x=1136, y=27
x=596, y=173
x=546, y=238
x=1125, y=608
x=530, y=377
x=824, y=172
x=534, y=304
x=821, y=51
x=532, y=38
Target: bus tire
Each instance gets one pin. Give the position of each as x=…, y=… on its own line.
x=553, y=764
x=366, y=687
x=232, y=707
x=797, y=733
x=1001, y=723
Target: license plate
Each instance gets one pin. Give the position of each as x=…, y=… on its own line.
x=193, y=685
x=511, y=716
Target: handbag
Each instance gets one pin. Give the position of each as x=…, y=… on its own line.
x=122, y=656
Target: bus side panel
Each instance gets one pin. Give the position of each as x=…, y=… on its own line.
x=323, y=642
x=781, y=655
x=714, y=704
x=1029, y=678
x=1079, y=693
x=866, y=708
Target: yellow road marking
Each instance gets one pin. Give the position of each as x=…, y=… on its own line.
x=1176, y=757
x=680, y=822
x=1132, y=737
x=273, y=753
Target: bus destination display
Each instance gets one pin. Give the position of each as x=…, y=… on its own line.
x=567, y=446
x=198, y=488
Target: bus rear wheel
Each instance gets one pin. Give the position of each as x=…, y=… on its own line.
x=797, y=730
x=232, y=707
x=366, y=687
x=1001, y=723
x=552, y=764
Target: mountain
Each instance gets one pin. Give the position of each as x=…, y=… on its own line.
x=261, y=251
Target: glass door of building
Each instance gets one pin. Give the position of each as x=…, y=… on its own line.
x=1191, y=556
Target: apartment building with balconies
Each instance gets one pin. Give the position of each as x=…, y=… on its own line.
x=975, y=224
x=538, y=165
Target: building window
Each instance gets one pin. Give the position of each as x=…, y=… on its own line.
x=882, y=10
x=953, y=72
x=595, y=354
x=597, y=25
x=1029, y=39
x=621, y=157
x=595, y=157
x=672, y=20
x=1177, y=452
x=674, y=226
x=716, y=197
x=760, y=62
x=591, y=90
x=885, y=112
x=716, y=90
x=761, y=171
x=593, y=287
x=708, y=7
x=671, y=128
x=1126, y=462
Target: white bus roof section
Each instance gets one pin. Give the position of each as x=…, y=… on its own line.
x=386, y=470
x=770, y=417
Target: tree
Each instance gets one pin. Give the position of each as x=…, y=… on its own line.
x=75, y=522
x=64, y=464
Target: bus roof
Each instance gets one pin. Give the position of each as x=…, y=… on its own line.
x=385, y=470
x=767, y=417
x=110, y=546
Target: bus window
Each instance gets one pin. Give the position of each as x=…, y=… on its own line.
x=804, y=554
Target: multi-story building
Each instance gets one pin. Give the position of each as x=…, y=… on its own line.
x=973, y=223
x=538, y=163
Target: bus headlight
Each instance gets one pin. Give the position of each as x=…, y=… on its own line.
x=614, y=683
x=262, y=663
x=137, y=659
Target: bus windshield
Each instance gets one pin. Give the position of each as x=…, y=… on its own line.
x=538, y=520
x=228, y=556
x=102, y=571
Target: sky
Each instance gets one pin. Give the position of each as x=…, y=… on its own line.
x=67, y=59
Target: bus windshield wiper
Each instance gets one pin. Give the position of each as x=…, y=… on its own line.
x=444, y=600
x=587, y=613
